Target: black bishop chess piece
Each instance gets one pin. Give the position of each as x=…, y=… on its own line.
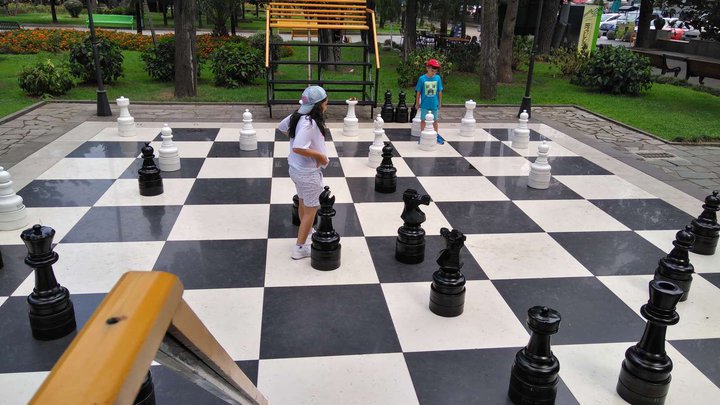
x=447, y=292
x=706, y=227
x=410, y=243
x=676, y=267
x=150, y=181
x=52, y=315
x=534, y=375
x=386, y=173
x=325, y=251
x=387, y=113
x=295, y=212
x=645, y=372
x=401, y=112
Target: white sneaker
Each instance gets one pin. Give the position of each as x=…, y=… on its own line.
x=301, y=252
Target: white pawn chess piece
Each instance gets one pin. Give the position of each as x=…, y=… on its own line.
x=248, y=135
x=126, y=123
x=428, y=137
x=168, y=158
x=415, y=128
x=12, y=209
x=467, y=124
x=375, y=153
x=521, y=134
x=350, y=123
x=540, y=169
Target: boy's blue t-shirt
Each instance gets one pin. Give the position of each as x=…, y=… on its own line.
x=429, y=89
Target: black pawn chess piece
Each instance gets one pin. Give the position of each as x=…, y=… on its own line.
x=534, y=375
x=401, y=112
x=645, y=373
x=706, y=227
x=150, y=181
x=676, y=267
x=410, y=243
x=447, y=292
x=386, y=173
x=388, y=112
x=325, y=251
x=52, y=315
x=146, y=394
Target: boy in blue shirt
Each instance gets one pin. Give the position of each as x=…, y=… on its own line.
x=429, y=92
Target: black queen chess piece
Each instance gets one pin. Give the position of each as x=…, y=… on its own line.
x=52, y=314
x=149, y=180
x=388, y=112
x=706, y=227
x=401, y=112
x=325, y=250
x=447, y=291
x=386, y=173
x=676, y=267
x=534, y=374
x=410, y=243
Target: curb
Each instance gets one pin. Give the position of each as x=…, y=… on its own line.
x=21, y=112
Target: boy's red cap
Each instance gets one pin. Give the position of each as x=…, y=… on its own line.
x=433, y=63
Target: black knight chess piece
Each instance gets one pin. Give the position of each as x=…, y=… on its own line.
x=534, y=375
x=645, y=372
x=410, y=243
x=401, y=112
x=447, y=292
x=676, y=267
x=706, y=228
x=295, y=212
x=325, y=251
x=52, y=315
x=150, y=181
x=386, y=173
x=388, y=112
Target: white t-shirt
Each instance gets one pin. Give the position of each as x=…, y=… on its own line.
x=307, y=136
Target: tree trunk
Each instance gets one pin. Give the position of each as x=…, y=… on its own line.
x=152, y=29
x=489, y=49
x=410, y=28
x=329, y=53
x=164, y=12
x=443, y=24
x=52, y=11
x=643, y=32
x=547, y=25
x=138, y=17
x=233, y=19
x=186, y=63
x=505, y=74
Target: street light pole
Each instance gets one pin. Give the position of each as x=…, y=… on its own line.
x=103, y=106
x=526, y=101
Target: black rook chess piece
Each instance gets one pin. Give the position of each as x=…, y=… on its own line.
x=150, y=181
x=325, y=251
x=52, y=315
x=386, y=173
x=401, y=112
x=645, y=372
x=534, y=375
x=706, y=227
x=388, y=112
x=447, y=292
x=676, y=267
x=410, y=243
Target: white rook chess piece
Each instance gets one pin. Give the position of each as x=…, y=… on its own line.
x=415, y=128
x=521, y=134
x=350, y=123
x=248, y=135
x=467, y=124
x=540, y=169
x=12, y=209
x=375, y=153
x=428, y=137
x=168, y=160
x=126, y=123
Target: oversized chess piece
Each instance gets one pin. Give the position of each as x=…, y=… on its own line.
x=388, y=112
x=248, y=135
x=521, y=134
x=410, y=243
x=295, y=212
x=325, y=250
x=401, y=112
x=386, y=173
x=468, y=123
x=350, y=123
x=149, y=180
x=375, y=150
x=645, y=373
x=168, y=158
x=428, y=137
x=540, y=169
x=52, y=315
x=676, y=267
x=126, y=123
x=12, y=209
x=706, y=228
x=416, y=121
x=534, y=375
x=447, y=292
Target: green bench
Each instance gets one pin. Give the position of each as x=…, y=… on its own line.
x=112, y=20
x=9, y=25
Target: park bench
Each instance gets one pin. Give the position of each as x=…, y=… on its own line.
x=659, y=61
x=112, y=20
x=9, y=26
x=702, y=69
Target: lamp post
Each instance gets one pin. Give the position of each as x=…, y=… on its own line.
x=103, y=106
x=526, y=101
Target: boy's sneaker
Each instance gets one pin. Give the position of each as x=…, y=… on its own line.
x=301, y=252
x=440, y=140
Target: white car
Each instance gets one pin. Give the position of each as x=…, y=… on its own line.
x=608, y=22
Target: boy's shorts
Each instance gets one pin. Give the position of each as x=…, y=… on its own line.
x=435, y=112
x=309, y=185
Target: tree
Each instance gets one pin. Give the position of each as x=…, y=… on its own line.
x=217, y=12
x=506, y=43
x=411, y=14
x=547, y=24
x=186, y=61
x=704, y=15
x=643, y=30
x=489, y=49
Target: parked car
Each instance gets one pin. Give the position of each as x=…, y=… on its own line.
x=679, y=28
x=607, y=22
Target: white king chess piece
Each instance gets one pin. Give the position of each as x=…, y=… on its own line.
x=428, y=137
x=168, y=158
x=415, y=127
x=467, y=124
x=248, y=135
x=521, y=134
x=350, y=123
x=540, y=169
x=126, y=123
x=12, y=210
x=375, y=153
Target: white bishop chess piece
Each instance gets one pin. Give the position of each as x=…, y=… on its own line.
x=521, y=134
x=415, y=127
x=350, y=123
x=375, y=153
x=12, y=209
x=539, y=177
x=168, y=158
x=467, y=124
x=428, y=137
x=126, y=123
x=248, y=135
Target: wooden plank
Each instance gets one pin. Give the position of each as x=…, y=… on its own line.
x=267, y=40
x=375, y=42
x=310, y=25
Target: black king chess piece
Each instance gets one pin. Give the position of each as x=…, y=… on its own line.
x=706, y=227
x=401, y=112
x=52, y=315
x=447, y=292
x=325, y=251
x=645, y=373
x=386, y=173
x=410, y=243
x=534, y=375
x=388, y=112
x=150, y=181
x=676, y=267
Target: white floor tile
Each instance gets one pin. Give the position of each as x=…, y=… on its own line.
x=2, y=300
x=283, y=190
x=569, y=216
x=222, y=221
x=19, y=388
x=412, y=149
x=233, y=134
x=61, y=219
x=126, y=192
x=461, y=188
x=358, y=167
x=282, y=149
x=664, y=239
x=233, y=168
x=87, y=168
x=501, y=165
x=453, y=134
x=532, y=149
x=186, y=149
x=141, y=135
x=603, y=187
x=383, y=219
x=365, y=134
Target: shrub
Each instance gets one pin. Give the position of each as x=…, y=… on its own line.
x=567, y=60
x=82, y=65
x=286, y=51
x=408, y=72
x=464, y=57
x=615, y=69
x=257, y=41
x=235, y=64
x=160, y=60
x=74, y=7
x=522, y=46
x=45, y=79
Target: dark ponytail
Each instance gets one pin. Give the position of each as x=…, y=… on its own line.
x=315, y=114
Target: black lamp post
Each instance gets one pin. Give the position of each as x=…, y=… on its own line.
x=526, y=102
x=103, y=107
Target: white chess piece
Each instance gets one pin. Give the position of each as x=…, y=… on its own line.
x=428, y=137
x=248, y=135
x=415, y=128
x=350, y=123
x=521, y=134
x=126, y=123
x=540, y=169
x=12, y=209
x=168, y=158
x=375, y=153
x=467, y=124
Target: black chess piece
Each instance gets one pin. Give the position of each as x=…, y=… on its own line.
x=447, y=292
x=676, y=267
x=146, y=394
x=645, y=373
x=706, y=227
x=401, y=112
x=52, y=315
x=150, y=181
x=386, y=173
x=534, y=375
x=2, y=264
x=295, y=212
x=413, y=110
x=410, y=243
x=325, y=251
x=388, y=112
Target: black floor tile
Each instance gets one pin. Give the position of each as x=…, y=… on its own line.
x=573, y=165
x=334, y=168
x=171, y=388
x=63, y=193
x=232, y=149
x=487, y=217
x=399, y=134
x=645, y=214
x=189, y=169
x=711, y=277
x=703, y=354
x=441, y=166
x=192, y=134
x=362, y=189
x=345, y=222
x=516, y=188
x=107, y=149
x=490, y=148
x=14, y=270
x=230, y=191
x=354, y=149
x=124, y=224
x=505, y=134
